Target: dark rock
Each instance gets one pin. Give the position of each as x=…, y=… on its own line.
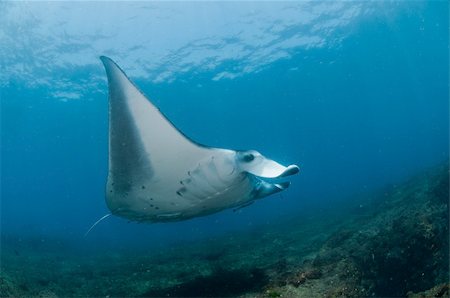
x=223, y=283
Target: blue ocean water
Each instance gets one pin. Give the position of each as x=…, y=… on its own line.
x=356, y=93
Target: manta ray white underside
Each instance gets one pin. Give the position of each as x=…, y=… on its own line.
x=158, y=174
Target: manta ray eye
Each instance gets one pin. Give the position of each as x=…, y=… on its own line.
x=248, y=157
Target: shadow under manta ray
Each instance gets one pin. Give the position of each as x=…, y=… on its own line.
x=157, y=174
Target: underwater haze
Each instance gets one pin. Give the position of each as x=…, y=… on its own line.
x=354, y=92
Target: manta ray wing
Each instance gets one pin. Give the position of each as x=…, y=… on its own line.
x=146, y=151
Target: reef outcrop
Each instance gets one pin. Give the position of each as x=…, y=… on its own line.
x=396, y=247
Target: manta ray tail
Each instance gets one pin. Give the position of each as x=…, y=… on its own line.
x=97, y=222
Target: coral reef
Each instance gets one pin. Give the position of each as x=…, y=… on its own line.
x=401, y=246
x=395, y=243
x=442, y=290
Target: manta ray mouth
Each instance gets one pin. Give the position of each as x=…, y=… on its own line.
x=277, y=172
x=280, y=180
x=290, y=170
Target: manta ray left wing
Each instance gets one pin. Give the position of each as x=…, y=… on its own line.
x=143, y=143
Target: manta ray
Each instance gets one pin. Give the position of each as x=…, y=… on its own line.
x=158, y=174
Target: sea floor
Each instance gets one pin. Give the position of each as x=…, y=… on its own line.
x=394, y=243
